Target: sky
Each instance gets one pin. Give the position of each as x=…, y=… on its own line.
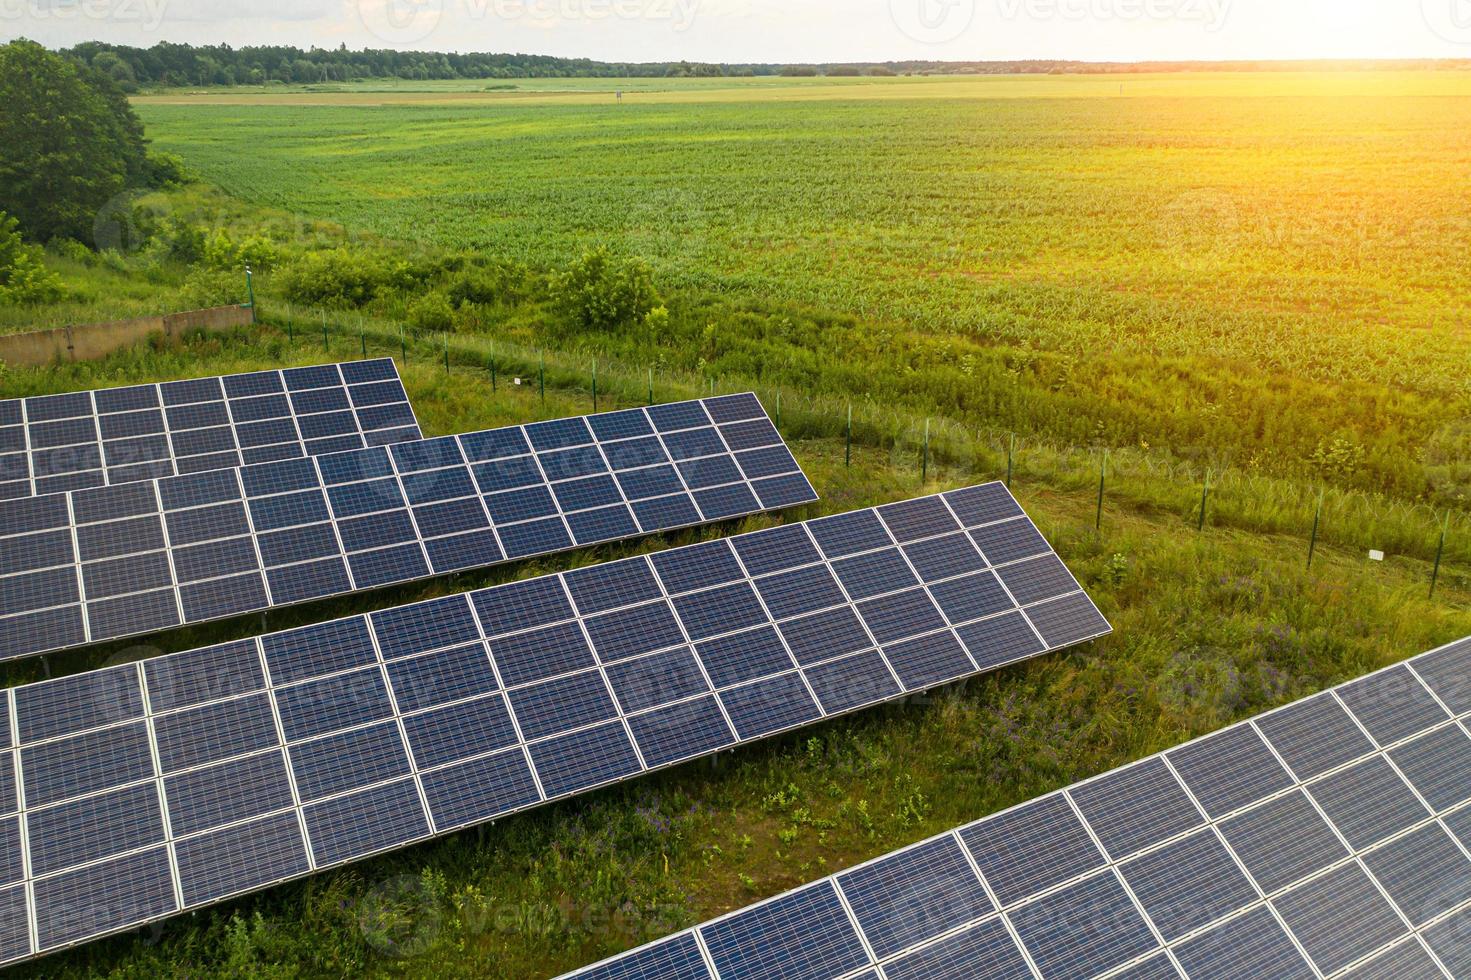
x=781, y=30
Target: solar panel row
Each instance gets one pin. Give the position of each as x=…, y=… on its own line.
x=111, y=562
x=56, y=443
x=1329, y=838
x=142, y=790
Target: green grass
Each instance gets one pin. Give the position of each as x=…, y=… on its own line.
x=1211, y=627
x=1256, y=271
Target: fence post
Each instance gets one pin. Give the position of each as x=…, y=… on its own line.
x=1204, y=497
x=541, y=377
x=403, y=344
x=848, y=445
x=1010, y=457
x=290, y=327
x=1439, y=553
x=325, y=345
x=363, y=336
x=492, y=369
x=1317, y=520
x=446, y=352
x=651, y=386
x=924, y=465
x=1102, y=478
x=778, y=409
x=250, y=291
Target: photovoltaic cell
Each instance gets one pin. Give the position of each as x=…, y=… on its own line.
x=375, y=731
x=1264, y=881
x=155, y=555
x=56, y=443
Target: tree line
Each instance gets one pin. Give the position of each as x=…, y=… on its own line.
x=177, y=65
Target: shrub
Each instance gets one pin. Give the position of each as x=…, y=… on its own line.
x=23, y=275
x=603, y=292
x=207, y=287
x=339, y=277
x=431, y=313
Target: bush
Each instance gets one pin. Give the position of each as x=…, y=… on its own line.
x=431, y=313
x=340, y=278
x=602, y=292
x=23, y=275
x=213, y=287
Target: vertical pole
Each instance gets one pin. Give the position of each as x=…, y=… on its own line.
x=541, y=378
x=446, y=352
x=651, y=386
x=1010, y=456
x=924, y=465
x=290, y=327
x=1317, y=520
x=1102, y=477
x=595, y=385
x=1204, y=497
x=403, y=344
x=325, y=344
x=492, y=370
x=778, y=409
x=250, y=291
x=848, y=447
x=363, y=336
x=1439, y=553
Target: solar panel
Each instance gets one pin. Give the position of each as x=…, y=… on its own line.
x=1328, y=838
x=56, y=443
x=250, y=763
x=110, y=562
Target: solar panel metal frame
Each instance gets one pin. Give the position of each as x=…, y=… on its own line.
x=1308, y=926
x=152, y=562
x=201, y=711
x=23, y=419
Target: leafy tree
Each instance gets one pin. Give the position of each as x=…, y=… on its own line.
x=23, y=276
x=603, y=292
x=69, y=142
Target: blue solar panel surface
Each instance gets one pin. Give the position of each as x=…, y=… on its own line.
x=56, y=443
x=238, y=766
x=111, y=562
x=1328, y=838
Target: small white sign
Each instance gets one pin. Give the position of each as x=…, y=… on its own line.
x=1376, y=556
x=517, y=381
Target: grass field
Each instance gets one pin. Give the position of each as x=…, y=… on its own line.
x=1238, y=269
x=1259, y=274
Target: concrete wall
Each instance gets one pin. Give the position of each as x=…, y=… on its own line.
x=95, y=340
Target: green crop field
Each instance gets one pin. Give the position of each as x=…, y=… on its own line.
x=1241, y=269
x=1257, y=276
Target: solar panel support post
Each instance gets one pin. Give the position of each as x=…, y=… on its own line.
x=1102, y=479
x=1439, y=553
x=848, y=444
x=1205, y=492
x=1317, y=521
